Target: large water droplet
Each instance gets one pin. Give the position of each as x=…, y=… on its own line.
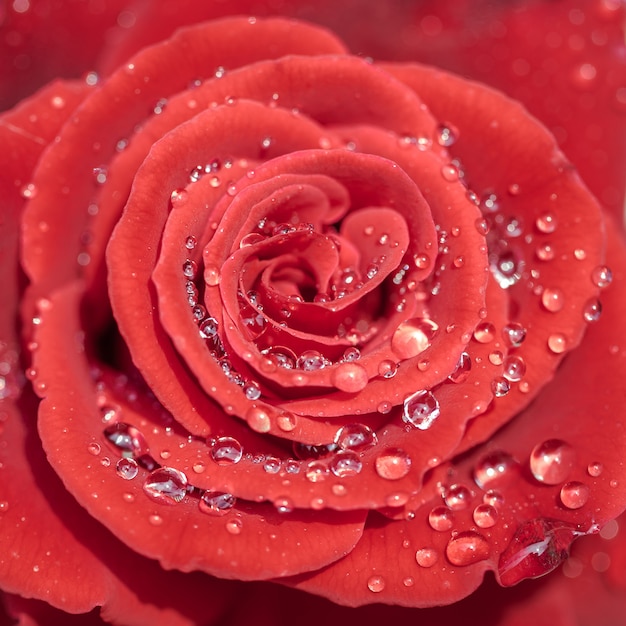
x=413, y=337
x=393, y=464
x=355, y=437
x=421, y=409
x=166, y=485
x=216, y=502
x=127, y=439
x=226, y=451
x=551, y=461
x=466, y=548
x=538, y=547
x=493, y=468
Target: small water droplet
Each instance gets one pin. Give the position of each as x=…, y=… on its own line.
x=441, y=518
x=212, y=275
x=446, y=135
x=514, y=368
x=94, y=448
x=376, y=584
x=226, y=451
x=387, y=368
x=356, y=437
x=557, y=342
x=450, y=172
x=500, y=386
x=551, y=461
x=466, y=548
x=127, y=468
x=592, y=310
x=350, y=377
x=286, y=422
x=514, y=334
x=413, y=337
x=284, y=505
x=421, y=409
x=485, y=516
x=574, y=495
x=426, y=557
x=457, y=497
x=602, y=276
x=345, y=463
x=553, y=300
x=316, y=471
x=595, y=469
x=234, y=526
x=311, y=361
x=166, y=485
x=462, y=370
x=493, y=498
x=127, y=439
x=178, y=197
x=546, y=223
x=216, y=502
x=484, y=332
x=393, y=464
x=155, y=520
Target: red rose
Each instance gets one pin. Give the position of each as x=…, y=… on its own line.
x=317, y=306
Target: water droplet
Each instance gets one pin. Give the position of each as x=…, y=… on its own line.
x=466, y=548
x=316, y=471
x=574, y=495
x=557, y=342
x=602, y=276
x=4, y=506
x=485, y=516
x=376, y=584
x=226, y=451
x=457, y=497
x=450, y=172
x=127, y=468
x=284, y=505
x=350, y=377
x=595, y=469
x=212, y=275
x=311, y=361
x=216, y=502
x=166, y=485
x=462, y=369
x=251, y=390
x=387, y=368
x=234, y=526
x=553, y=300
x=100, y=174
x=538, y=547
x=178, y=197
x=426, y=557
x=506, y=267
x=422, y=261
x=413, y=337
x=493, y=498
x=446, y=135
x=484, y=332
x=545, y=252
x=514, y=334
x=271, y=465
x=493, y=468
x=94, y=448
x=190, y=268
x=514, y=368
x=155, y=520
x=421, y=409
x=345, y=463
x=127, y=439
x=546, y=223
x=592, y=310
x=500, y=386
x=393, y=464
x=551, y=461
x=191, y=242
x=441, y=518
x=356, y=437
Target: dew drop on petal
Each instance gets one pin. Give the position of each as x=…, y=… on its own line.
x=592, y=310
x=316, y=471
x=413, y=337
x=552, y=300
x=457, y=497
x=421, y=409
x=557, y=342
x=574, y=495
x=493, y=468
x=387, y=368
x=484, y=332
x=234, y=526
x=426, y=557
x=376, y=584
x=514, y=334
x=462, y=369
x=485, y=516
x=94, y=448
x=356, y=437
x=127, y=468
x=466, y=548
x=127, y=439
x=514, y=368
x=551, y=461
x=602, y=276
x=166, y=485
x=226, y=451
x=216, y=502
x=393, y=464
x=546, y=223
x=594, y=469
x=283, y=505
x=441, y=518
x=345, y=463
x=500, y=386
x=350, y=377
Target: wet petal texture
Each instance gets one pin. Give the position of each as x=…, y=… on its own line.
x=277, y=290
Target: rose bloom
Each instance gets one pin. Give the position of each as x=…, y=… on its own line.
x=299, y=326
